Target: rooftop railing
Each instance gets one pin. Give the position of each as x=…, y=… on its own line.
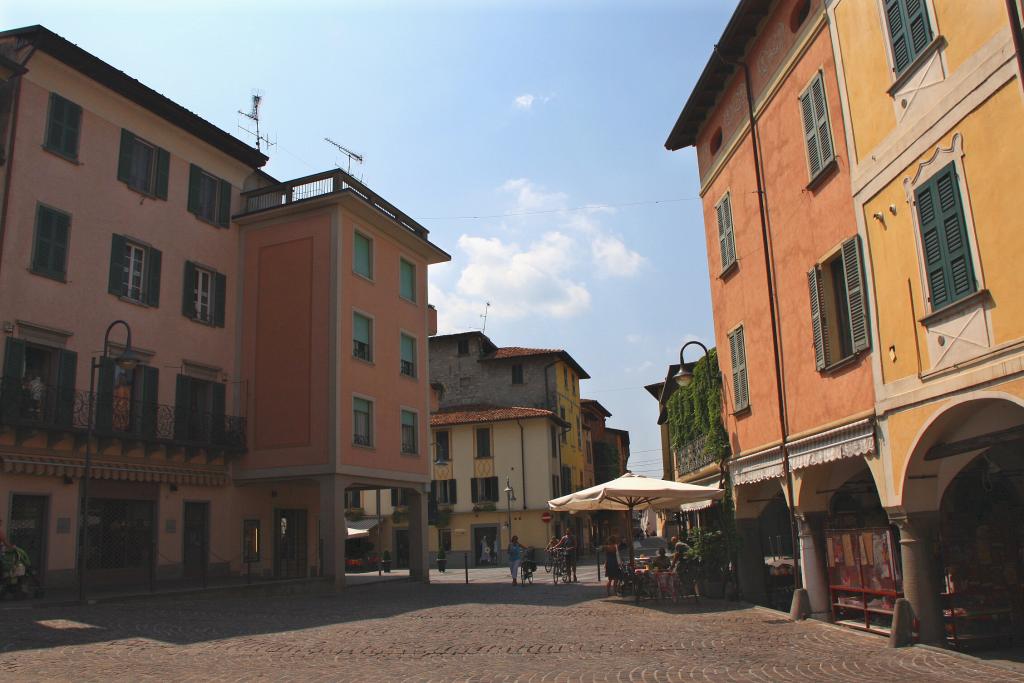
x=319, y=185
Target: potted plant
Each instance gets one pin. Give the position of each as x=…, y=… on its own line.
x=442, y=560
x=385, y=561
x=709, y=549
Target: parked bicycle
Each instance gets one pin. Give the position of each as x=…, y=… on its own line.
x=557, y=564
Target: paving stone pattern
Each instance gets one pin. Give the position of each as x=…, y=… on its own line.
x=484, y=631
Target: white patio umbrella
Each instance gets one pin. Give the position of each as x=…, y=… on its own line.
x=635, y=492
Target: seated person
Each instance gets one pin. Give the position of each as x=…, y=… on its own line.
x=661, y=562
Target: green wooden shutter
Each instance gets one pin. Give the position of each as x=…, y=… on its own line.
x=453, y=491
x=163, y=170
x=14, y=370
x=67, y=366
x=188, y=294
x=737, y=350
x=105, y=396
x=49, y=251
x=224, y=207
x=810, y=133
x=901, y=49
x=944, y=240
x=150, y=378
x=408, y=280
x=182, y=407
x=726, y=235
x=824, y=134
x=195, y=175
x=59, y=244
x=855, y=295
x=919, y=25
x=818, y=325
x=115, y=282
x=362, y=260
x=152, y=293
x=218, y=401
x=220, y=295
x=62, y=128
x=124, y=158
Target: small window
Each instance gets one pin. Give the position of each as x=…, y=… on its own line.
x=715, y=143
x=445, y=539
x=554, y=442
x=561, y=412
x=62, y=127
x=204, y=295
x=362, y=422
x=442, y=446
x=485, y=489
x=444, y=491
x=517, y=374
x=143, y=166
x=949, y=267
x=209, y=197
x=353, y=498
x=463, y=347
x=134, y=271
x=565, y=376
x=910, y=31
x=362, y=337
x=799, y=15
x=483, y=442
x=409, y=436
x=407, y=280
x=50, y=248
x=362, y=255
x=738, y=356
x=399, y=498
x=726, y=236
x=579, y=433
x=839, y=320
x=408, y=359
x=817, y=132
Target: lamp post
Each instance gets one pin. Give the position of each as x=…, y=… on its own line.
x=126, y=360
x=685, y=375
x=510, y=497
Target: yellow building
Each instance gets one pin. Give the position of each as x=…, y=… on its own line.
x=493, y=467
x=931, y=91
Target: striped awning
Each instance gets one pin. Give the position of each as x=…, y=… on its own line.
x=848, y=441
x=53, y=466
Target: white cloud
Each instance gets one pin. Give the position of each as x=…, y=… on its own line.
x=634, y=338
x=525, y=101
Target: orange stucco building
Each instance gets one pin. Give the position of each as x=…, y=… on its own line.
x=278, y=339
x=787, y=285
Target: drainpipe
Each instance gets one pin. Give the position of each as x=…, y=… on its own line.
x=773, y=312
x=11, y=137
x=1018, y=38
x=522, y=455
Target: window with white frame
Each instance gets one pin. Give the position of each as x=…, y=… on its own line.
x=202, y=290
x=362, y=337
x=362, y=422
x=409, y=432
x=134, y=270
x=408, y=356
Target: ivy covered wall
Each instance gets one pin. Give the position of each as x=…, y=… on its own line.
x=695, y=411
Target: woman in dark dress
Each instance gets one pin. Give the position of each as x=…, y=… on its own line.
x=612, y=570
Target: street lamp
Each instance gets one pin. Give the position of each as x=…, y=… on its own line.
x=685, y=375
x=126, y=360
x=510, y=497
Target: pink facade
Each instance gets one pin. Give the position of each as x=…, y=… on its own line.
x=118, y=204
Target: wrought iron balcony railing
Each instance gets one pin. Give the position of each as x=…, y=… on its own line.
x=692, y=456
x=41, y=406
x=362, y=439
x=408, y=368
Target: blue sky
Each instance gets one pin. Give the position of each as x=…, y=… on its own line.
x=515, y=113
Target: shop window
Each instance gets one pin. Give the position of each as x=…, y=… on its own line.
x=839, y=319
x=120, y=534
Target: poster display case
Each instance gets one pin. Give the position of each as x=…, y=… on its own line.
x=864, y=578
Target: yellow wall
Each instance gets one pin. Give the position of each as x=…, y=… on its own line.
x=968, y=25
x=569, y=398
x=993, y=147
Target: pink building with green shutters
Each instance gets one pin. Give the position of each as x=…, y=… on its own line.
x=238, y=433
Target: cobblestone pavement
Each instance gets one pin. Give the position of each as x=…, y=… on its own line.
x=451, y=632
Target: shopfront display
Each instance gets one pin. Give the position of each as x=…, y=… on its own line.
x=864, y=577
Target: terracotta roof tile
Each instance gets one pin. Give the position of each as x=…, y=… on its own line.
x=517, y=351
x=471, y=414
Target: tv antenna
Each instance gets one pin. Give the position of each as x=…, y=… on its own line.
x=358, y=158
x=254, y=116
x=487, y=307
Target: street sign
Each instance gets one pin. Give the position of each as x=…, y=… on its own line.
x=545, y=517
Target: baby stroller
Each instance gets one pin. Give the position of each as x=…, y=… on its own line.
x=18, y=578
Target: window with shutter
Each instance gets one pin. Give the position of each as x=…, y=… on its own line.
x=839, y=317
x=738, y=356
x=409, y=435
x=483, y=442
x=407, y=280
x=143, y=166
x=50, y=248
x=944, y=240
x=408, y=356
x=362, y=255
x=362, y=422
x=442, y=446
x=726, y=234
x=818, y=319
x=362, y=337
x=817, y=132
x=62, y=127
x=910, y=31
x=209, y=197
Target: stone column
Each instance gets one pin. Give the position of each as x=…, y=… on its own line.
x=810, y=527
x=751, y=562
x=332, y=527
x=419, y=557
x=918, y=542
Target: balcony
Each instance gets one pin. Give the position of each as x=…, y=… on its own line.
x=334, y=182
x=692, y=457
x=408, y=368
x=54, y=409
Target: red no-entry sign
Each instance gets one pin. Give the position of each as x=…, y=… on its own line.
x=545, y=517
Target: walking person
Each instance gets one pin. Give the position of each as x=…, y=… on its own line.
x=612, y=570
x=515, y=558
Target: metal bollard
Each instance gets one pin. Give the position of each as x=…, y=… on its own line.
x=465, y=563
